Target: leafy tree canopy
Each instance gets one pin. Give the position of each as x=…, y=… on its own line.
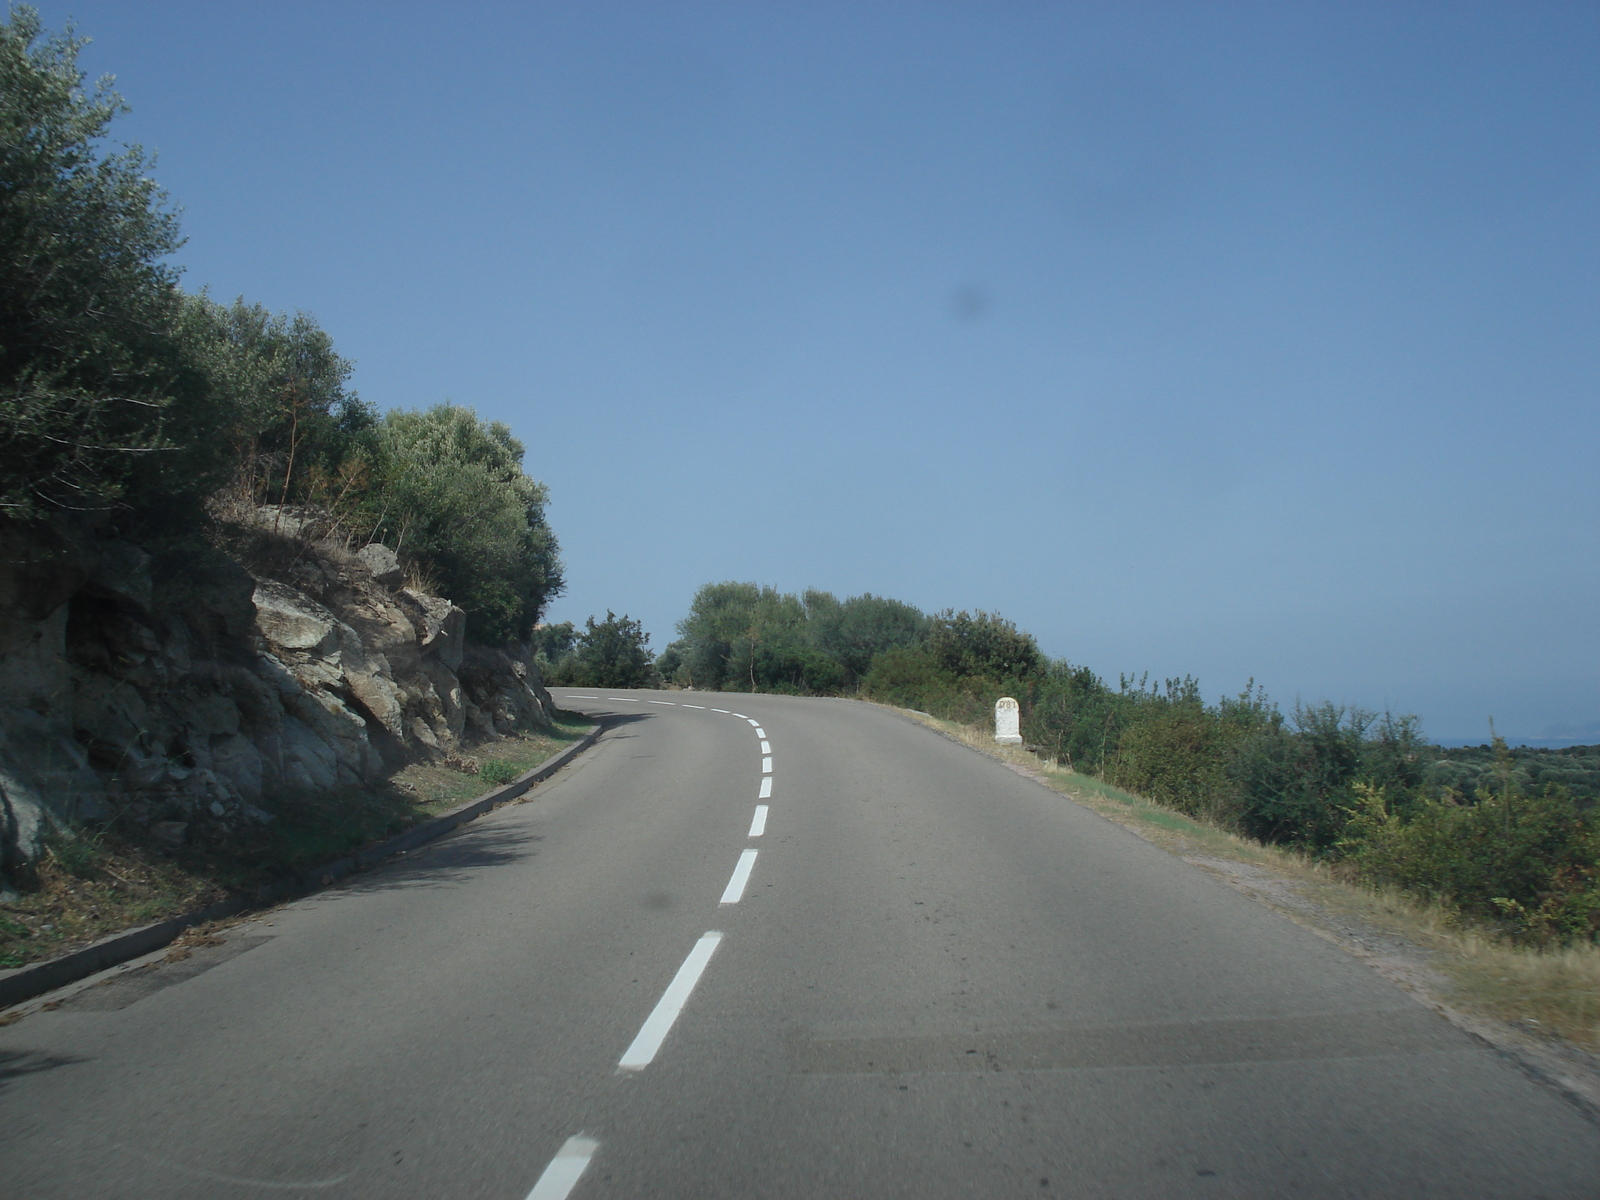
x=982, y=645
x=86, y=302
x=613, y=653
x=450, y=491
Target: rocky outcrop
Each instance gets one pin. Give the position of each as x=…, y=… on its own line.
x=182, y=691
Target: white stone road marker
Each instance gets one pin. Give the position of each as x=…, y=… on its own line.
x=1007, y=722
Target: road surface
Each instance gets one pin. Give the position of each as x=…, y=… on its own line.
x=760, y=946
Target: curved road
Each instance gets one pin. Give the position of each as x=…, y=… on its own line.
x=911, y=973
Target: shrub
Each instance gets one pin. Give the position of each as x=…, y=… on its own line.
x=669, y=664
x=450, y=491
x=613, y=653
x=1073, y=717
x=982, y=646
x=1296, y=785
x=1529, y=861
x=1177, y=758
x=496, y=774
x=857, y=630
x=910, y=678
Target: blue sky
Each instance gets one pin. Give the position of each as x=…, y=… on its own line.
x=1233, y=340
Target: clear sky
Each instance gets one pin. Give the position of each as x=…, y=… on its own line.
x=1224, y=339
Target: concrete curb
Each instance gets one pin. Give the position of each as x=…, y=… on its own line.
x=23, y=983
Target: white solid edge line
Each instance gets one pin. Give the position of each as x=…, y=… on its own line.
x=694, y=706
x=766, y=788
x=562, y=1175
x=766, y=765
x=741, y=876
x=758, y=826
x=659, y=1023
x=766, y=746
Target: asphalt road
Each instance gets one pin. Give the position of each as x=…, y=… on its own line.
x=934, y=979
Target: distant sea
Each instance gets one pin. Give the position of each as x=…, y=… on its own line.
x=1557, y=737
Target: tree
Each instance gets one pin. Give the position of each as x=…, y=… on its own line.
x=87, y=369
x=863, y=627
x=281, y=416
x=553, y=642
x=613, y=653
x=727, y=627
x=451, y=492
x=982, y=646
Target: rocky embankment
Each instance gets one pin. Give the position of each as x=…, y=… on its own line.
x=177, y=693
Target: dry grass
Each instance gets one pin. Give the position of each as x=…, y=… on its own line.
x=82, y=891
x=439, y=787
x=1554, y=993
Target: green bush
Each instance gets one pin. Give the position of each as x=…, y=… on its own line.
x=910, y=678
x=1074, y=718
x=982, y=646
x=855, y=631
x=613, y=653
x=1528, y=861
x=495, y=773
x=451, y=493
x=1178, y=758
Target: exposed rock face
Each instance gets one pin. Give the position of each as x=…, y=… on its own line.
x=179, y=691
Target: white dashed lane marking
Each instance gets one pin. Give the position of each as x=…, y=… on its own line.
x=660, y=1021
x=766, y=746
x=734, y=892
x=766, y=765
x=759, y=825
x=766, y=787
x=562, y=1175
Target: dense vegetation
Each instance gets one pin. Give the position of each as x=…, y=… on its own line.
x=124, y=399
x=1507, y=835
x=614, y=653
